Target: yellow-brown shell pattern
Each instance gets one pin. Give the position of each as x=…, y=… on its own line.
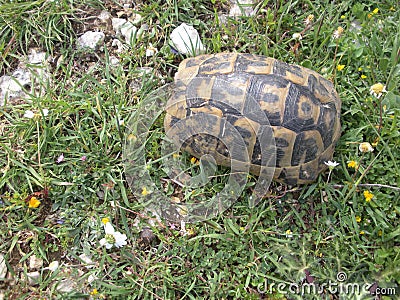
x=300, y=105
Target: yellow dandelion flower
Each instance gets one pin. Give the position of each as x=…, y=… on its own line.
x=362, y=232
x=358, y=219
x=145, y=192
x=368, y=196
x=175, y=155
x=352, y=164
x=369, y=16
x=363, y=76
x=94, y=292
x=340, y=67
x=190, y=231
x=34, y=202
x=360, y=69
x=105, y=220
x=343, y=17
x=380, y=233
x=193, y=160
x=392, y=8
x=375, y=11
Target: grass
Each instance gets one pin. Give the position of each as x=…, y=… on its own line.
x=323, y=228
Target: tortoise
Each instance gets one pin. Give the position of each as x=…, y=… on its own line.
x=300, y=106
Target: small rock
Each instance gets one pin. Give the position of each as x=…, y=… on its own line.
x=114, y=61
x=135, y=18
x=150, y=51
x=128, y=30
x=35, y=263
x=147, y=237
x=104, y=16
x=3, y=267
x=87, y=260
x=66, y=286
x=117, y=23
x=37, y=57
x=91, y=40
x=241, y=8
x=33, y=278
x=92, y=278
x=117, y=43
x=186, y=40
x=12, y=87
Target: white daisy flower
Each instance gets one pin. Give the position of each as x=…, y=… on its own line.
x=113, y=238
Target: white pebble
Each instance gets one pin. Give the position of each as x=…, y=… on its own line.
x=186, y=40
x=91, y=39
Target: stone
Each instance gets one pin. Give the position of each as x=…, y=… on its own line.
x=128, y=31
x=241, y=8
x=186, y=40
x=117, y=23
x=33, y=278
x=35, y=263
x=91, y=40
x=3, y=267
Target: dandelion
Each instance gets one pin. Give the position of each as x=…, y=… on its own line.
x=34, y=202
x=193, y=160
x=340, y=67
x=29, y=114
x=358, y=219
x=377, y=90
x=362, y=232
x=365, y=147
x=363, y=76
x=105, y=220
x=297, y=36
x=190, y=232
x=288, y=233
x=94, y=292
x=145, y=192
x=309, y=19
x=375, y=11
x=368, y=196
x=380, y=233
x=112, y=237
x=175, y=155
x=338, y=32
x=360, y=69
x=352, y=164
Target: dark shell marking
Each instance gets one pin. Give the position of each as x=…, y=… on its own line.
x=301, y=106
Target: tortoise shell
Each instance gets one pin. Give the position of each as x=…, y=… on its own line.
x=300, y=106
